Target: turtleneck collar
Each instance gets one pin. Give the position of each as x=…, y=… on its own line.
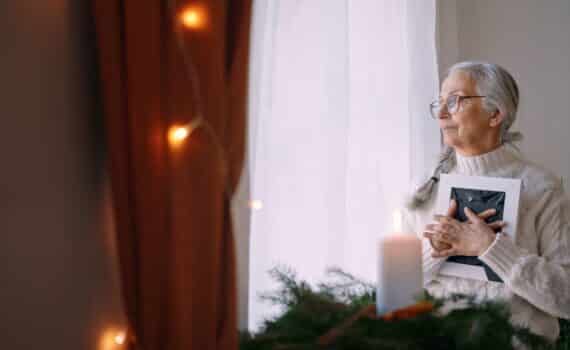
x=486, y=164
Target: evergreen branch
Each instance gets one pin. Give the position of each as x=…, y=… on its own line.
x=458, y=322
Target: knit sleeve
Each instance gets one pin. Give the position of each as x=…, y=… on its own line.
x=543, y=279
x=430, y=264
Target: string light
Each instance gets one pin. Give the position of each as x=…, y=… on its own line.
x=256, y=204
x=120, y=338
x=113, y=339
x=177, y=134
x=193, y=17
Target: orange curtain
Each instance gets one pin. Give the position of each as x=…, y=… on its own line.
x=174, y=231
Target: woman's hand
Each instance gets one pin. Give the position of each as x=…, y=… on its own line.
x=436, y=244
x=469, y=238
x=439, y=245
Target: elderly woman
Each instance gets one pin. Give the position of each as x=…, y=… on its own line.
x=477, y=106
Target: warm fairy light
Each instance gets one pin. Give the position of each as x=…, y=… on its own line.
x=193, y=17
x=120, y=338
x=113, y=338
x=256, y=204
x=177, y=135
x=180, y=134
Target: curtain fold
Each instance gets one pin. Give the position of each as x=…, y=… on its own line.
x=174, y=231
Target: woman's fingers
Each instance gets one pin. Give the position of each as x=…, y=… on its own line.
x=497, y=225
x=430, y=235
x=444, y=253
x=438, y=228
x=445, y=220
x=435, y=243
x=438, y=245
x=449, y=217
x=443, y=237
x=441, y=218
x=452, y=208
x=474, y=218
x=487, y=213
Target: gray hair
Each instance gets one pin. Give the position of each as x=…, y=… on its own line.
x=502, y=94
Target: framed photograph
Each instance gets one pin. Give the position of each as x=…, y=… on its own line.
x=478, y=193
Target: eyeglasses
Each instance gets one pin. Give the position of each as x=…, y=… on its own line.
x=452, y=104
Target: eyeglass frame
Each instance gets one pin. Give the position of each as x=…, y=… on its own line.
x=458, y=104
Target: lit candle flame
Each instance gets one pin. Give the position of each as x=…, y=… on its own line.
x=397, y=220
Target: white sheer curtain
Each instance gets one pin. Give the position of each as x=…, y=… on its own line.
x=339, y=127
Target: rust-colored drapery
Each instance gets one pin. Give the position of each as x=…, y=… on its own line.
x=174, y=232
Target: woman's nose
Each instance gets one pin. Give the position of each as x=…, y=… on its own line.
x=443, y=113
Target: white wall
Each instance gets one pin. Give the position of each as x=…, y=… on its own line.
x=532, y=40
x=58, y=277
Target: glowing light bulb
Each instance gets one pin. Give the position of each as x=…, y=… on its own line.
x=177, y=135
x=120, y=338
x=113, y=338
x=256, y=204
x=193, y=17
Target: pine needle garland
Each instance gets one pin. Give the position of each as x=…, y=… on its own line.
x=309, y=312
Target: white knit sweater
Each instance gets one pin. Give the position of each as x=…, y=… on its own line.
x=535, y=266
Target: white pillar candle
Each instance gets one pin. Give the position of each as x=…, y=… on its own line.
x=399, y=269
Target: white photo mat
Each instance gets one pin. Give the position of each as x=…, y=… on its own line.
x=511, y=188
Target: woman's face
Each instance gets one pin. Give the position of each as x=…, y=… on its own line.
x=470, y=130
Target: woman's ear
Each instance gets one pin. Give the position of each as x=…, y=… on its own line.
x=496, y=119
